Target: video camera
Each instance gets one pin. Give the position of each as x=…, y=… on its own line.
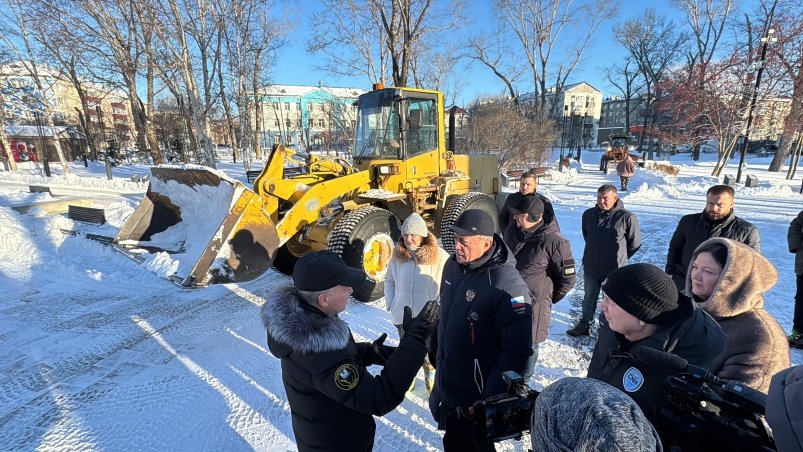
x=504, y=416
x=703, y=412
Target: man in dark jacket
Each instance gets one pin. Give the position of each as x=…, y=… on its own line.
x=785, y=409
x=612, y=236
x=643, y=309
x=717, y=220
x=484, y=329
x=794, y=238
x=544, y=260
x=527, y=186
x=332, y=397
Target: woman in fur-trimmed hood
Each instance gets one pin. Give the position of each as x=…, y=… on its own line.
x=414, y=272
x=728, y=280
x=414, y=275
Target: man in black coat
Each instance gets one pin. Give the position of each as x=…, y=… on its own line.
x=643, y=309
x=527, y=186
x=332, y=397
x=544, y=260
x=716, y=220
x=612, y=236
x=484, y=329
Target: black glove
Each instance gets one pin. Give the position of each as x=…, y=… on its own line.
x=377, y=352
x=420, y=326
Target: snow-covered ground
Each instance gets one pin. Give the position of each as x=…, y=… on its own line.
x=100, y=353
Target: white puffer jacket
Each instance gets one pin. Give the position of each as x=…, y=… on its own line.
x=413, y=280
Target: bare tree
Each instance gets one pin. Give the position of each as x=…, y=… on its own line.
x=788, y=52
x=520, y=139
x=16, y=36
x=382, y=39
x=545, y=29
x=655, y=45
x=628, y=79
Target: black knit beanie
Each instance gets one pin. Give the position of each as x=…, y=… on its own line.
x=644, y=291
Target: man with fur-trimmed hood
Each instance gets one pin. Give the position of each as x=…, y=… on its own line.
x=332, y=397
x=728, y=279
x=414, y=276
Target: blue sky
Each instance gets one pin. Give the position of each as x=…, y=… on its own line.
x=295, y=66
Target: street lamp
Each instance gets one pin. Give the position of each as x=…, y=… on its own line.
x=45, y=163
x=562, y=135
x=766, y=40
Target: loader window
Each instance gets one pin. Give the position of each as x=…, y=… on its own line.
x=377, y=134
x=421, y=128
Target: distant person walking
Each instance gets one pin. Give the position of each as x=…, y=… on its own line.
x=626, y=169
x=795, y=239
x=527, y=185
x=716, y=220
x=612, y=237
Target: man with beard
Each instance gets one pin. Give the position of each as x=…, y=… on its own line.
x=527, y=184
x=716, y=220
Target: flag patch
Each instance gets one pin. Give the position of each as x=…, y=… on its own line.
x=518, y=304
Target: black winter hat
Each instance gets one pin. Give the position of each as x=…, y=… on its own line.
x=474, y=222
x=644, y=291
x=529, y=204
x=323, y=270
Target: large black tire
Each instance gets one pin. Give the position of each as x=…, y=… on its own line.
x=455, y=206
x=365, y=238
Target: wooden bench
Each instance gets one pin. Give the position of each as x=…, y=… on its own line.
x=252, y=175
x=86, y=214
x=40, y=189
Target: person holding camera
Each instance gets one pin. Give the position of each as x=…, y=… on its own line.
x=483, y=332
x=414, y=276
x=642, y=308
x=727, y=279
x=332, y=396
x=544, y=260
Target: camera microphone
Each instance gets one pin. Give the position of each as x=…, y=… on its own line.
x=660, y=359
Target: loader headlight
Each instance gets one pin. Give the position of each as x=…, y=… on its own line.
x=388, y=170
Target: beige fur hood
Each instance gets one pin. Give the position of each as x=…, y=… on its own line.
x=427, y=253
x=745, y=277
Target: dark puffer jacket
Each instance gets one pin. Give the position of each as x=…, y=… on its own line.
x=544, y=260
x=794, y=238
x=332, y=397
x=612, y=237
x=506, y=216
x=693, y=230
x=484, y=330
x=757, y=347
x=695, y=337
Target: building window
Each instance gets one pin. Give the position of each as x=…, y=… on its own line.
x=287, y=106
x=276, y=123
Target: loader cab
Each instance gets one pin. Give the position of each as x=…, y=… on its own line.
x=395, y=124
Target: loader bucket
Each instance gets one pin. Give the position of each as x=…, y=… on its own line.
x=200, y=227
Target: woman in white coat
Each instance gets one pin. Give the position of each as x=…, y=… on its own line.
x=414, y=275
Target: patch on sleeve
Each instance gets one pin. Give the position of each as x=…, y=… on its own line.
x=568, y=267
x=518, y=304
x=347, y=377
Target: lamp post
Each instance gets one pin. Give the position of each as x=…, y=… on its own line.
x=766, y=39
x=562, y=135
x=45, y=162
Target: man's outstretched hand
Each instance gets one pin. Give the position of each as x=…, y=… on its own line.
x=420, y=326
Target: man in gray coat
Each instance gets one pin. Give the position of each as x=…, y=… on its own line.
x=612, y=237
x=785, y=409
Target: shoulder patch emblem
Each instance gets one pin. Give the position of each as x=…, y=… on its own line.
x=518, y=303
x=632, y=380
x=347, y=377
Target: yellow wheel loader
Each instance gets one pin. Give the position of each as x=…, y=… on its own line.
x=615, y=152
x=354, y=207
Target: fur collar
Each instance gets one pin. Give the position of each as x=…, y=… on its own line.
x=301, y=327
x=426, y=254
